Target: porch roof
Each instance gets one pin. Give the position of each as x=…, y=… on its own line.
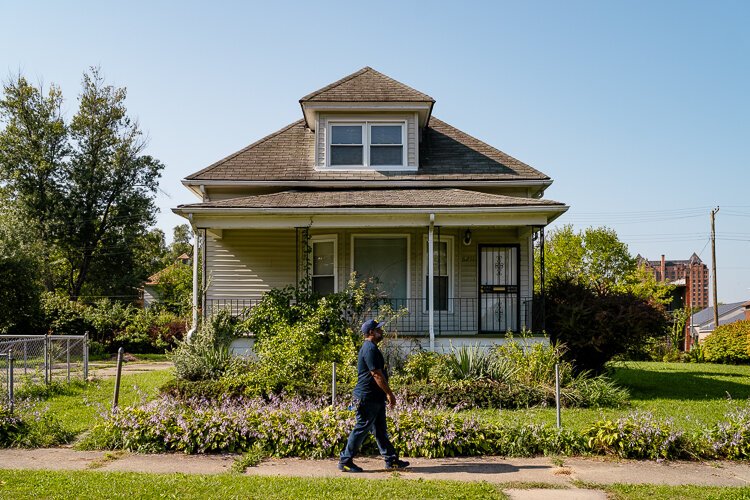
x=375, y=198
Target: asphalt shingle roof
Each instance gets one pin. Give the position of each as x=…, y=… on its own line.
x=445, y=153
x=382, y=198
x=367, y=85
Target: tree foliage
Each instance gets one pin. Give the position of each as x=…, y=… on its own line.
x=85, y=187
x=597, y=259
x=595, y=327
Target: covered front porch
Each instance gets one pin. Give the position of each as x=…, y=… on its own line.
x=460, y=263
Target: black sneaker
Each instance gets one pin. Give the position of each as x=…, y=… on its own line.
x=349, y=466
x=397, y=464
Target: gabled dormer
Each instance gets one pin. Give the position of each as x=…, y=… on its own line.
x=367, y=121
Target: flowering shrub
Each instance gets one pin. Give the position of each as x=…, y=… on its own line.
x=730, y=439
x=638, y=435
x=36, y=429
x=9, y=426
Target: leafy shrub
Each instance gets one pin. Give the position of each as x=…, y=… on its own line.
x=284, y=428
x=205, y=356
x=517, y=374
x=731, y=438
x=20, y=293
x=638, y=435
x=35, y=430
x=598, y=326
x=728, y=343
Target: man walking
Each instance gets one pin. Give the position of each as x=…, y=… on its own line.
x=371, y=393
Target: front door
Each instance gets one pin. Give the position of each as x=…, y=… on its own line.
x=499, y=305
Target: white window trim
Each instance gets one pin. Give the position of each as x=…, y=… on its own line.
x=451, y=276
x=387, y=235
x=323, y=238
x=366, y=124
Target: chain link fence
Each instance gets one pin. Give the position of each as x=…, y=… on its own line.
x=41, y=359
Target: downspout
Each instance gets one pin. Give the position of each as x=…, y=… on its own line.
x=431, y=279
x=194, y=328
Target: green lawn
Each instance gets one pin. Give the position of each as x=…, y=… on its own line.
x=693, y=395
x=659, y=492
x=92, y=484
x=20, y=484
x=79, y=408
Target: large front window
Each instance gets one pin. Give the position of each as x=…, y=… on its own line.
x=385, y=260
x=363, y=144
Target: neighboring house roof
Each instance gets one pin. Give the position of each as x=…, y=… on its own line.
x=728, y=313
x=154, y=278
x=367, y=85
x=445, y=153
x=385, y=198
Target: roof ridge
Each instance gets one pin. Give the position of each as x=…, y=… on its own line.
x=256, y=143
x=361, y=72
x=337, y=83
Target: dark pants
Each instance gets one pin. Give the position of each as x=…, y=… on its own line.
x=370, y=417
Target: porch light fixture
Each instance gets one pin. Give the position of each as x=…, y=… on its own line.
x=467, y=237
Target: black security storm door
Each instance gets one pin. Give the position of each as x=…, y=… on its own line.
x=499, y=304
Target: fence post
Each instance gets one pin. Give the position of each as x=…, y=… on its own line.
x=25, y=356
x=67, y=356
x=47, y=367
x=11, y=401
x=557, y=393
x=333, y=386
x=117, y=379
x=86, y=356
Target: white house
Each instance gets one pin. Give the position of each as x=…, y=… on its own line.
x=374, y=183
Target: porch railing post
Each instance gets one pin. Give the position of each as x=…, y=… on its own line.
x=431, y=279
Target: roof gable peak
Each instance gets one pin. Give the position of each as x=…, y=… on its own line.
x=367, y=85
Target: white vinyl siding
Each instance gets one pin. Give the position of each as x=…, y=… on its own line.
x=244, y=264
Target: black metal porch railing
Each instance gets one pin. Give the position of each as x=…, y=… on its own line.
x=456, y=316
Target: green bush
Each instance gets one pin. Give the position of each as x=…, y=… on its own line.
x=728, y=344
x=597, y=326
x=639, y=436
x=517, y=374
x=38, y=430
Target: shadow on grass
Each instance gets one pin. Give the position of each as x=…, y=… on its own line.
x=646, y=384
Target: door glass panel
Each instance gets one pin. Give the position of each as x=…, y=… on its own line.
x=323, y=258
x=498, y=289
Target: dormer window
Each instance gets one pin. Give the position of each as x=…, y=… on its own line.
x=366, y=144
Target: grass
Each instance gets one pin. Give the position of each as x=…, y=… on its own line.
x=662, y=492
x=18, y=484
x=693, y=395
x=78, y=407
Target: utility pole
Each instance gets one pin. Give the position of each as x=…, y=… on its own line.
x=713, y=265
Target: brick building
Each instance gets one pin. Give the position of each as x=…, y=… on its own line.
x=693, y=271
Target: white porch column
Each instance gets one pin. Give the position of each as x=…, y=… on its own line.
x=194, y=327
x=431, y=279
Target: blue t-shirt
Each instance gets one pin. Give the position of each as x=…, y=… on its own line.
x=370, y=358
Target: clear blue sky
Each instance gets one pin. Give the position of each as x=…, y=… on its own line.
x=638, y=110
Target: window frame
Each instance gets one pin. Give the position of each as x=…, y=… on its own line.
x=449, y=240
x=366, y=143
x=371, y=236
x=324, y=238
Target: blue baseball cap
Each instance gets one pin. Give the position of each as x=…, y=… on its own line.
x=371, y=324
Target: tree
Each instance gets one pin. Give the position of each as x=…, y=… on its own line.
x=181, y=242
x=33, y=148
x=597, y=259
x=86, y=185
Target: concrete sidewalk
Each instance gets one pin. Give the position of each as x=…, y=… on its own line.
x=561, y=476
